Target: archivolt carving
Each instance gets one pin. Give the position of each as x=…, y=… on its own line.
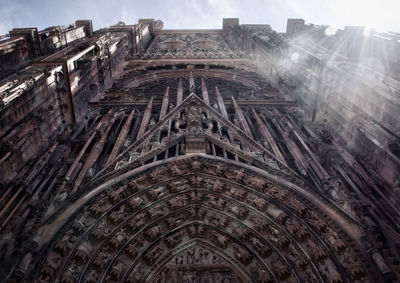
x=256, y=228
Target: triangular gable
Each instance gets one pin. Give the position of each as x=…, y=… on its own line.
x=253, y=151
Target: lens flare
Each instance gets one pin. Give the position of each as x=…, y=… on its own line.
x=330, y=30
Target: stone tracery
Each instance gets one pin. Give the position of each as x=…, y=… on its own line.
x=191, y=168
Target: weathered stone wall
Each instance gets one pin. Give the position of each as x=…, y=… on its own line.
x=359, y=103
x=12, y=53
x=35, y=108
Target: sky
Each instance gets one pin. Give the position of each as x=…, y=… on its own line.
x=382, y=15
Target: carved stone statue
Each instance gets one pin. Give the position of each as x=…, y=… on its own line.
x=117, y=270
x=259, y=275
x=174, y=239
x=241, y=254
x=134, y=248
x=220, y=239
x=281, y=270
x=154, y=232
x=264, y=249
x=154, y=254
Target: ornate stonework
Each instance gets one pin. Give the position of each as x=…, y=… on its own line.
x=179, y=158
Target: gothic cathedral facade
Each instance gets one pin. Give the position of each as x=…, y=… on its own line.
x=140, y=154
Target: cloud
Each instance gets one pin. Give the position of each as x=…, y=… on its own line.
x=199, y=13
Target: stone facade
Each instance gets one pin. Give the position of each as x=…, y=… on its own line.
x=136, y=153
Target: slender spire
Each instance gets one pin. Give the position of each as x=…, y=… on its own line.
x=318, y=168
x=93, y=155
x=121, y=137
x=267, y=135
x=294, y=150
x=242, y=119
x=221, y=102
x=205, y=92
x=165, y=102
x=180, y=93
x=78, y=158
x=146, y=119
x=88, y=142
x=191, y=82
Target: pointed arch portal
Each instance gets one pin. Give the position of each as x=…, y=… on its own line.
x=198, y=215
